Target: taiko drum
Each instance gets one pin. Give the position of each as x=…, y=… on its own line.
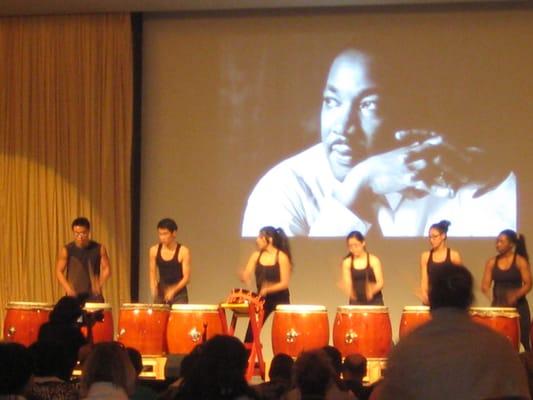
x=413, y=317
x=363, y=329
x=23, y=321
x=144, y=327
x=100, y=314
x=191, y=324
x=504, y=320
x=297, y=328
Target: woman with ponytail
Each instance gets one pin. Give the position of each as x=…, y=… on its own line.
x=362, y=274
x=509, y=274
x=439, y=254
x=271, y=264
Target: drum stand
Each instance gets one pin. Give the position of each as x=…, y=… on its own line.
x=247, y=305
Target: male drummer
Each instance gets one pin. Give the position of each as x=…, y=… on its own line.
x=170, y=266
x=82, y=265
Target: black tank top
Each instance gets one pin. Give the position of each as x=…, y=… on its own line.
x=83, y=265
x=270, y=274
x=170, y=271
x=504, y=281
x=360, y=278
x=432, y=265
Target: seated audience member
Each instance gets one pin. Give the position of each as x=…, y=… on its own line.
x=353, y=373
x=527, y=360
x=53, y=366
x=63, y=325
x=280, y=378
x=141, y=392
x=219, y=372
x=107, y=373
x=15, y=370
x=452, y=357
x=314, y=377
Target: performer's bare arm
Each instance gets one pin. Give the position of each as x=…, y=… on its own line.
x=424, y=258
x=249, y=270
x=347, y=277
x=486, y=282
x=61, y=267
x=105, y=268
x=153, y=271
x=525, y=273
x=375, y=288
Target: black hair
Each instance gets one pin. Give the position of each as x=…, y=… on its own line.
x=81, y=221
x=518, y=240
x=279, y=239
x=441, y=226
x=451, y=286
x=356, y=235
x=16, y=368
x=281, y=367
x=167, y=223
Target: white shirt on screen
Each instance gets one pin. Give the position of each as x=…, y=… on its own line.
x=297, y=195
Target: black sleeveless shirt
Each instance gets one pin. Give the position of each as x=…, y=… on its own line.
x=505, y=280
x=83, y=266
x=270, y=274
x=360, y=279
x=432, y=265
x=170, y=271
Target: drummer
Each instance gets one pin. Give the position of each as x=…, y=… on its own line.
x=510, y=272
x=362, y=273
x=170, y=266
x=439, y=254
x=82, y=266
x=271, y=264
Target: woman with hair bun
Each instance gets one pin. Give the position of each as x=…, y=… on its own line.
x=362, y=274
x=439, y=254
x=271, y=264
x=509, y=274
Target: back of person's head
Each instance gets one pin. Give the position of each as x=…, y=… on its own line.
x=281, y=367
x=279, y=239
x=53, y=359
x=81, y=221
x=67, y=310
x=135, y=359
x=335, y=358
x=354, y=367
x=451, y=286
x=313, y=373
x=108, y=362
x=167, y=223
x=16, y=368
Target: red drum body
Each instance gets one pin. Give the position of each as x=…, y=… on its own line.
x=413, y=317
x=189, y=324
x=144, y=327
x=297, y=328
x=504, y=320
x=23, y=321
x=101, y=314
x=363, y=329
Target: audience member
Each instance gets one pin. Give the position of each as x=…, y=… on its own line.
x=452, y=357
x=53, y=366
x=107, y=373
x=141, y=392
x=280, y=378
x=15, y=370
x=353, y=373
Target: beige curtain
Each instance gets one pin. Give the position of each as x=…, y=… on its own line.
x=65, y=148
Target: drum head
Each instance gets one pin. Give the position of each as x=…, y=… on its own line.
x=416, y=309
x=362, y=309
x=509, y=312
x=194, y=307
x=97, y=306
x=28, y=305
x=141, y=306
x=300, y=308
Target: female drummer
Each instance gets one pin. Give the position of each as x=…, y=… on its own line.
x=271, y=264
x=510, y=272
x=439, y=254
x=362, y=274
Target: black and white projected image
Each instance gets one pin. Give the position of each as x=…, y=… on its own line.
x=374, y=170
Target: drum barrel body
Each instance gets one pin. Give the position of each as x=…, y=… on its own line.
x=363, y=329
x=101, y=315
x=504, y=320
x=189, y=323
x=23, y=321
x=144, y=327
x=413, y=317
x=297, y=328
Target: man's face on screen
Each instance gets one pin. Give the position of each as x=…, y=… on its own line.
x=351, y=114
